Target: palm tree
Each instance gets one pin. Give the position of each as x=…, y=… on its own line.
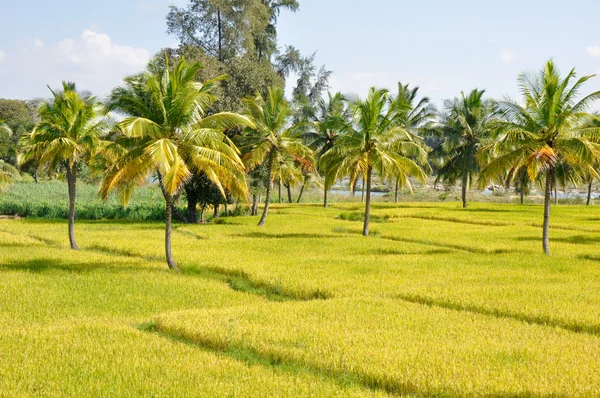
x=413, y=116
x=69, y=133
x=272, y=139
x=374, y=141
x=8, y=173
x=465, y=127
x=166, y=133
x=329, y=121
x=550, y=127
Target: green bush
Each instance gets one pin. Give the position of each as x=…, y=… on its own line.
x=48, y=199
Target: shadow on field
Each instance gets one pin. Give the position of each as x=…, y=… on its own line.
x=291, y=366
x=541, y=320
x=50, y=264
x=343, y=378
x=266, y=235
x=243, y=282
x=394, y=252
x=576, y=239
x=113, y=251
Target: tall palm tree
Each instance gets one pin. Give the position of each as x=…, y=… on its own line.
x=550, y=127
x=69, y=133
x=166, y=133
x=413, y=115
x=465, y=127
x=272, y=138
x=328, y=125
x=374, y=141
x=8, y=173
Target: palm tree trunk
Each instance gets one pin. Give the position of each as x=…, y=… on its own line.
x=465, y=181
x=396, y=191
x=192, y=212
x=202, y=209
x=280, y=199
x=325, y=203
x=301, y=192
x=289, y=193
x=169, y=232
x=362, y=196
x=368, y=204
x=174, y=210
x=589, y=195
x=216, y=211
x=254, y=211
x=522, y=195
x=263, y=218
x=220, y=38
x=72, y=187
x=547, y=197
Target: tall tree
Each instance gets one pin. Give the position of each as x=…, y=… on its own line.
x=69, y=133
x=166, y=133
x=549, y=127
x=375, y=142
x=272, y=138
x=465, y=127
x=265, y=29
x=217, y=26
x=229, y=28
x=414, y=115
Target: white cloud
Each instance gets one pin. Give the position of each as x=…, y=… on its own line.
x=97, y=49
x=2, y=57
x=92, y=60
x=594, y=51
x=507, y=56
x=37, y=43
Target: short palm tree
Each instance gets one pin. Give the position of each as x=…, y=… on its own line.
x=272, y=138
x=374, y=141
x=328, y=125
x=166, y=133
x=412, y=115
x=8, y=173
x=550, y=127
x=69, y=133
x=465, y=128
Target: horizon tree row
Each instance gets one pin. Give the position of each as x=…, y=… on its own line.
x=168, y=131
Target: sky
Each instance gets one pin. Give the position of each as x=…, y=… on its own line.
x=442, y=46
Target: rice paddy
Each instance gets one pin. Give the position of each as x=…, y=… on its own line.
x=440, y=301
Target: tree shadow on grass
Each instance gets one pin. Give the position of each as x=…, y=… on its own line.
x=266, y=235
x=40, y=265
x=575, y=239
x=343, y=377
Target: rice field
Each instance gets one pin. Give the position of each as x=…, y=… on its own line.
x=440, y=301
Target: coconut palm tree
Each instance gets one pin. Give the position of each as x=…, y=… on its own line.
x=550, y=127
x=272, y=139
x=374, y=142
x=465, y=128
x=69, y=133
x=166, y=133
x=8, y=173
x=328, y=123
x=412, y=115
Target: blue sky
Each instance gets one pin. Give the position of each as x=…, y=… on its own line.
x=442, y=46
